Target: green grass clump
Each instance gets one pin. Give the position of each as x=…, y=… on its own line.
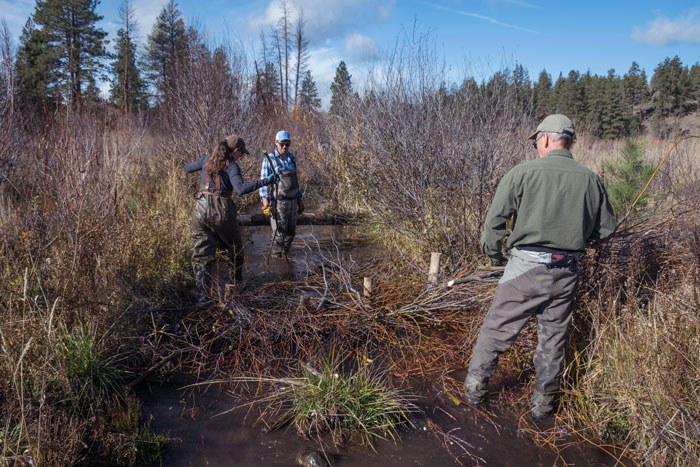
x=358, y=405
x=87, y=365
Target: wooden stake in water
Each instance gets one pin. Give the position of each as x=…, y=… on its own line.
x=434, y=267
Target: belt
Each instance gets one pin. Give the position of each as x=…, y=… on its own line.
x=223, y=194
x=545, y=249
x=556, y=259
x=563, y=261
x=287, y=198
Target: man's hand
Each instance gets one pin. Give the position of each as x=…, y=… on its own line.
x=499, y=262
x=267, y=210
x=300, y=208
x=271, y=179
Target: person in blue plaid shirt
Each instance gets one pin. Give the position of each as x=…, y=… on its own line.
x=282, y=202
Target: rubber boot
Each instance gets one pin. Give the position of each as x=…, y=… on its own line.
x=475, y=390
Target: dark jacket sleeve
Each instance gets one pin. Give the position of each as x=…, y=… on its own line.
x=503, y=206
x=239, y=186
x=606, y=223
x=196, y=165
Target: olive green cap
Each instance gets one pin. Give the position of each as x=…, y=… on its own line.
x=556, y=123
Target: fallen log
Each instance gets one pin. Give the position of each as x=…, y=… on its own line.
x=309, y=218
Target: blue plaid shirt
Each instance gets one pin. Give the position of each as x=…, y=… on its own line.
x=280, y=165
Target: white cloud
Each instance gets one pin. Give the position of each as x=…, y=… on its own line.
x=361, y=47
x=16, y=13
x=325, y=18
x=146, y=14
x=664, y=31
x=323, y=62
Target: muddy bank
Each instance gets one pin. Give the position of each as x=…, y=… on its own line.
x=205, y=432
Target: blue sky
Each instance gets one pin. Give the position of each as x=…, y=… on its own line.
x=472, y=36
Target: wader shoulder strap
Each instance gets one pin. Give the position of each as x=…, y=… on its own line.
x=217, y=181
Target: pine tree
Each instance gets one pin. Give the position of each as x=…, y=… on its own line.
x=308, y=96
x=62, y=51
x=694, y=83
x=167, y=46
x=626, y=176
x=76, y=46
x=613, y=123
x=669, y=86
x=34, y=66
x=266, y=88
x=635, y=92
x=570, y=96
x=543, y=96
x=522, y=88
x=593, y=121
x=128, y=90
x=341, y=89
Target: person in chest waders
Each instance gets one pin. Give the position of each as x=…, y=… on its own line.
x=282, y=202
x=556, y=207
x=214, y=222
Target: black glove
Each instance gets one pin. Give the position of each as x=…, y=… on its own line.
x=300, y=208
x=498, y=262
x=271, y=179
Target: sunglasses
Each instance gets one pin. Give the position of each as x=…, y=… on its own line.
x=286, y=145
x=534, y=143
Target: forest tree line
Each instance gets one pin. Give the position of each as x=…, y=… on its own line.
x=62, y=56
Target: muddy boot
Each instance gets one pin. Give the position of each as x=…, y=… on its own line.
x=541, y=406
x=203, y=285
x=474, y=390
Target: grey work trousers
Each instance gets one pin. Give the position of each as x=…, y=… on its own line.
x=284, y=225
x=528, y=288
x=215, y=226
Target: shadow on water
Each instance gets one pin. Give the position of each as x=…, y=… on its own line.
x=205, y=431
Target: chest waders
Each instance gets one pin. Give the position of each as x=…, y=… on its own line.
x=215, y=227
x=284, y=191
x=273, y=204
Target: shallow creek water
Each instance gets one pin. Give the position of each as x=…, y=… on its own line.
x=206, y=432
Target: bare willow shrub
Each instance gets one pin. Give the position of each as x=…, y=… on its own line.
x=634, y=378
x=209, y=99
x=423, y=158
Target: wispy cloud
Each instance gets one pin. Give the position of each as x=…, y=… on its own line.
x=478, y=16
x=326, y=19
x=664, y=31
x=361, y=47
x=521, y=3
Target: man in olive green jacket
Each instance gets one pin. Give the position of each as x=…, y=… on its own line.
x=557, y=206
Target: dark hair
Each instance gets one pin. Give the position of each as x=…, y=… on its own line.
x=219, y=159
